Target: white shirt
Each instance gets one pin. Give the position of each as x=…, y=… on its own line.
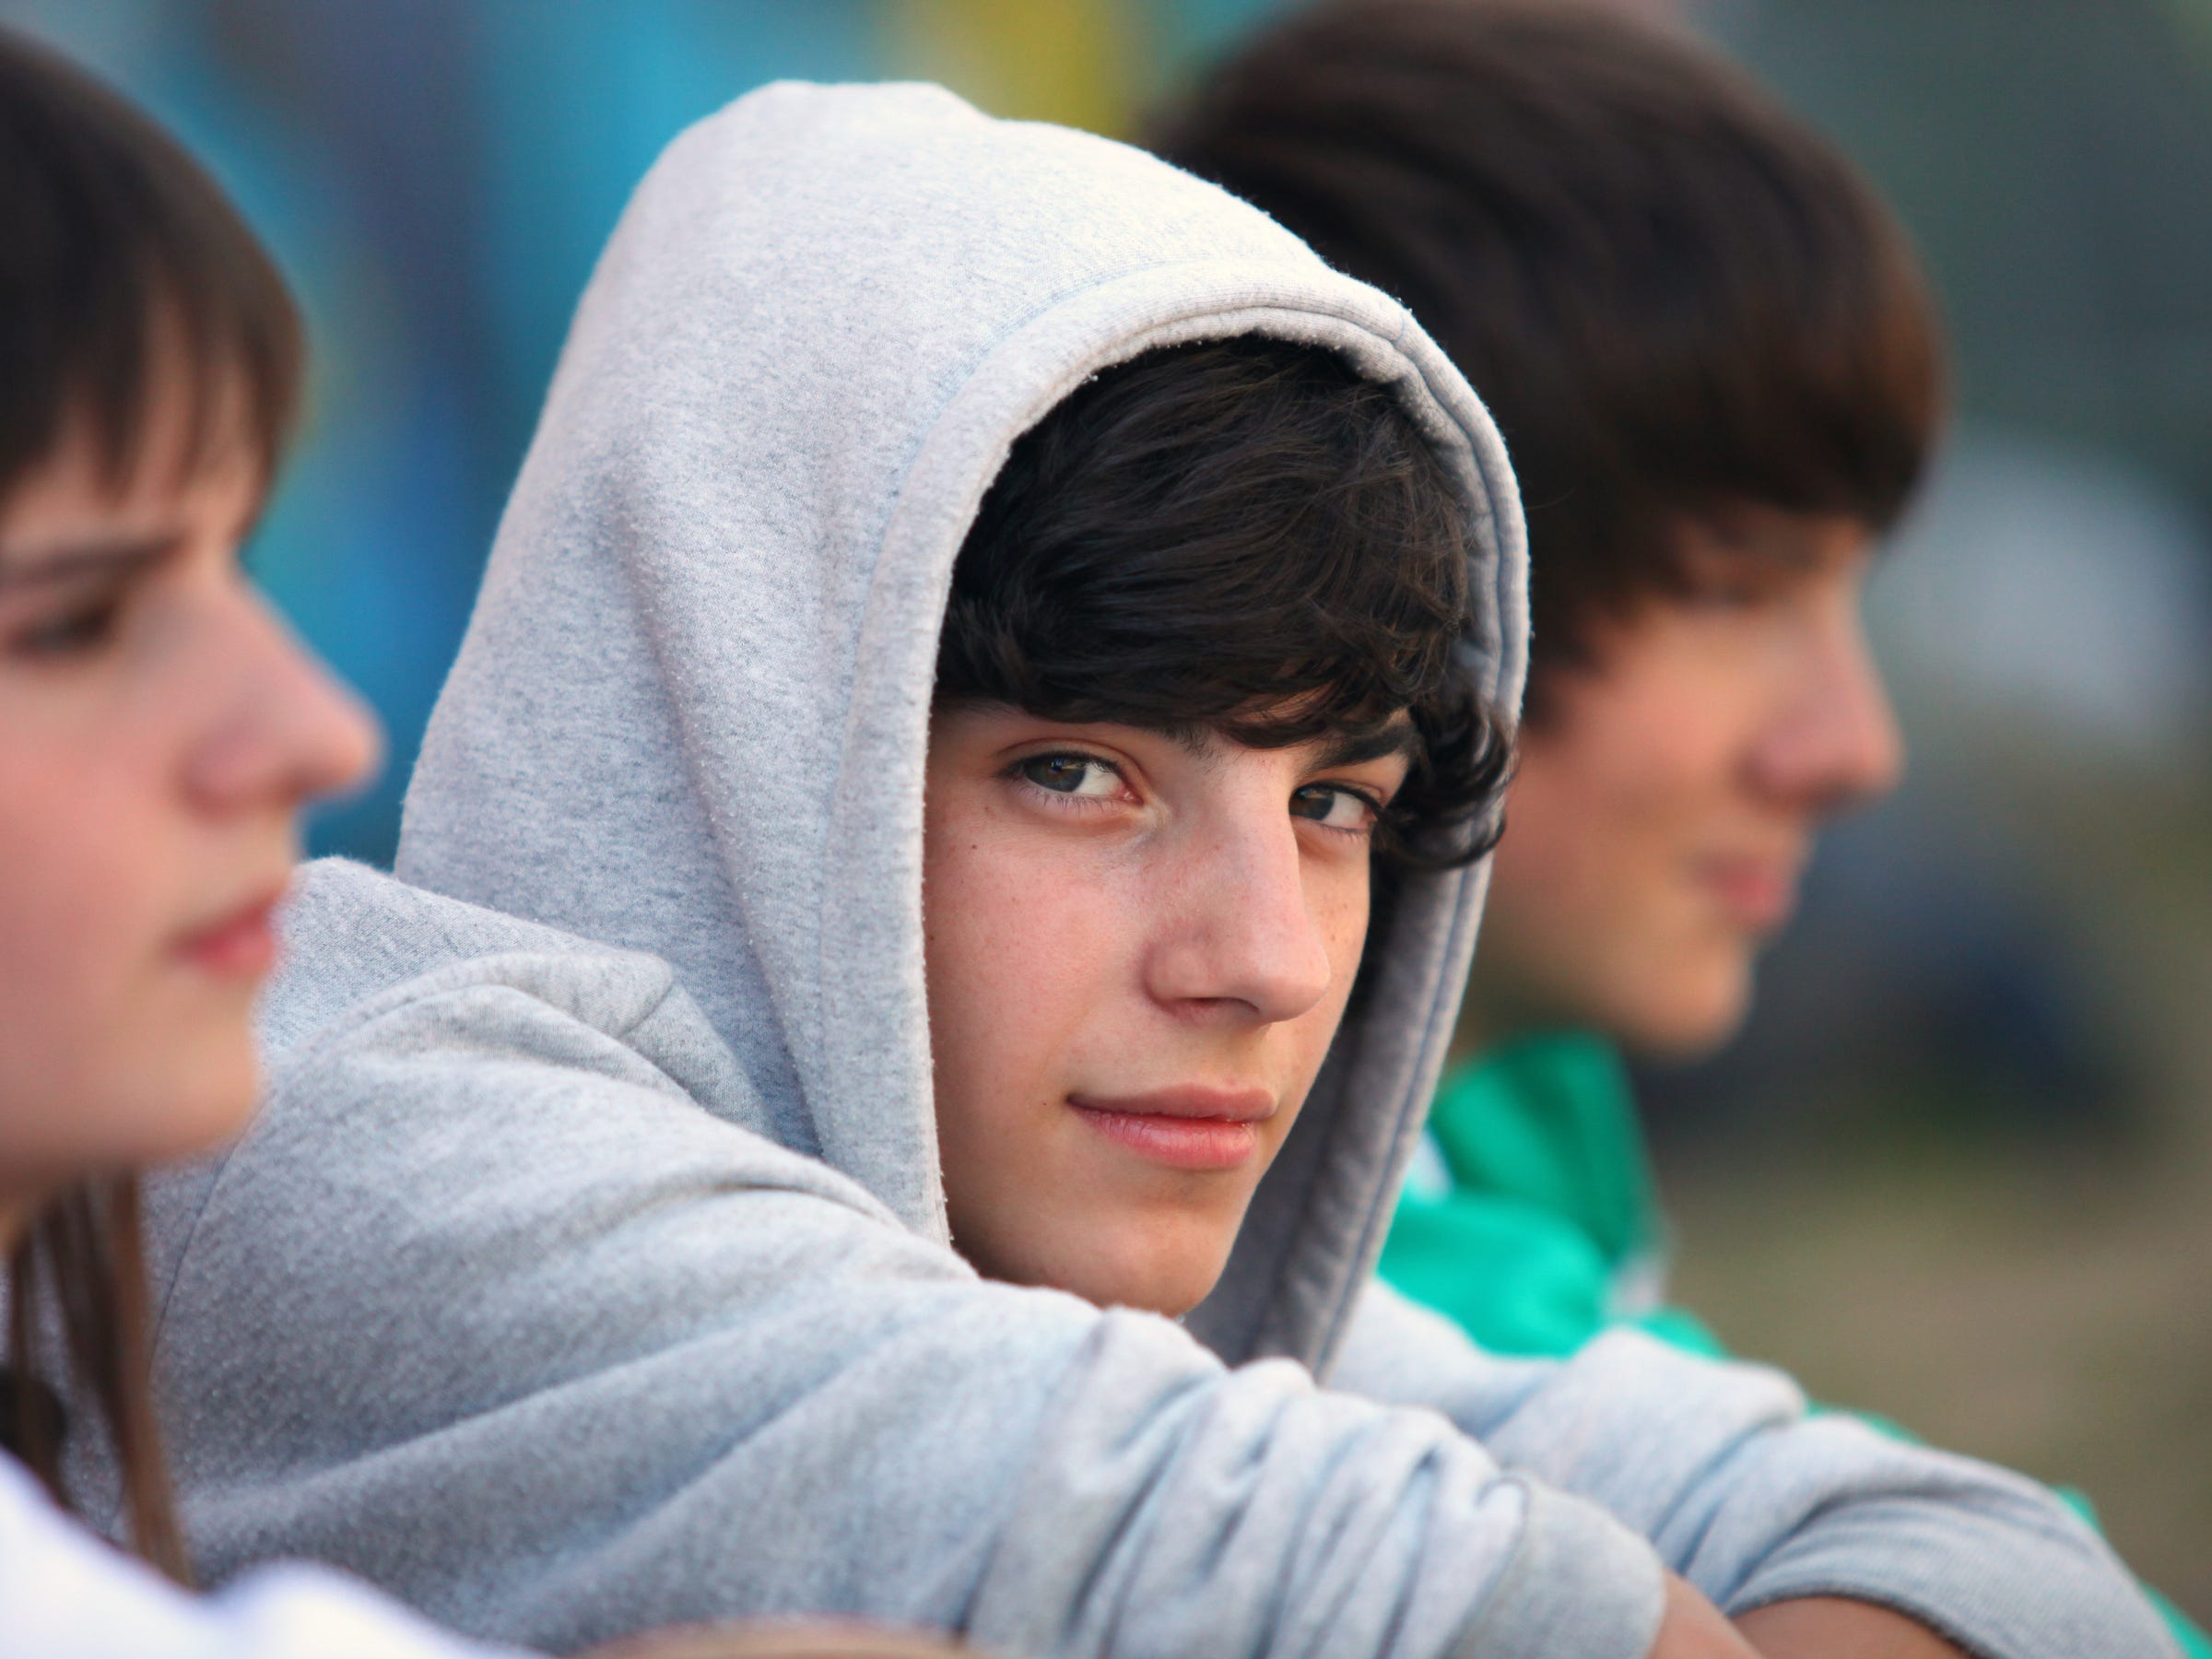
x=64, y=1592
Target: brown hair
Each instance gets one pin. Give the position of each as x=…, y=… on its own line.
x=84, y=1251
x=119, y=247
x=1674, y=296
x=1245, y=536
x=119, y=250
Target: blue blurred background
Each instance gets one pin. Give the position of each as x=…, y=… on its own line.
x=1956, y=1168
x=436, y=177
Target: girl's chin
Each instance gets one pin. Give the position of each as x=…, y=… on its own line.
x=218, y=1110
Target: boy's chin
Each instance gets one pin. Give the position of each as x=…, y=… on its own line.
x=1140, y=1261
x=1688, y=1018
x=1170, y=1295
x=1172, y=1289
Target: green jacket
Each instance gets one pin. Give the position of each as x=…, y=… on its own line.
x=1541, y=1226
x=1532, y=1219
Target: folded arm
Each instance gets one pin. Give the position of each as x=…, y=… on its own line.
x=555, y=1355
x=1757, y=1504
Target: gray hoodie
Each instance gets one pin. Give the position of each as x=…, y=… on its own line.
x=588, y=1267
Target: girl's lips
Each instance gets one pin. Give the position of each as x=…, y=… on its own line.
x=1180, y=1142
x=241, y=946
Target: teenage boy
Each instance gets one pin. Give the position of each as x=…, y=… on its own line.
x=1718, y=370
x=671, y=1190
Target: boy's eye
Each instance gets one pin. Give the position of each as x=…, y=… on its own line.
x=1071, y=775
x=1734, y=584
x=1728, y=597
x=1333, y=806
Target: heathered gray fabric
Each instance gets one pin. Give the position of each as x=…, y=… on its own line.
x=587, y=1268
x=510, y=1302
x=1987, y=1558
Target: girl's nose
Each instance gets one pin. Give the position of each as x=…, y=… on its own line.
x=288, y=732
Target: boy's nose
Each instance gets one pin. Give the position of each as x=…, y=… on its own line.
x=1240, y=934
x=1835, y=742
x=285, y=732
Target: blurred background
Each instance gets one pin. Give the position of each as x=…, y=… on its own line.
x=1959, y=1167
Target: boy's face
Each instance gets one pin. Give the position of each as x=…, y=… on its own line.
x=1139, y=948
x=1667, y=801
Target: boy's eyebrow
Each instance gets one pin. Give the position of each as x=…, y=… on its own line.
x=1348, y=748
x=120, y=557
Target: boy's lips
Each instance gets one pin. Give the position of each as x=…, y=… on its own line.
x=1191, y=1128
x=1760, y=894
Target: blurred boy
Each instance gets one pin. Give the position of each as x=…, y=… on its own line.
x=1719, y=373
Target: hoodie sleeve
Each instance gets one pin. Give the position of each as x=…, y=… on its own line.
x=489, y=1312
x=1755, y=1501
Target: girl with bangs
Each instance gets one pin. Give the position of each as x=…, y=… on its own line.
x=159, y=732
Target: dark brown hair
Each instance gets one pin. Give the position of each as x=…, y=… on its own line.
x=120, y=250
x=1247, y=536
x=84, y=1251
x=1675, y=297
x=122, y=263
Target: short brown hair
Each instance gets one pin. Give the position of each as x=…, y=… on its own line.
x=1674, y=296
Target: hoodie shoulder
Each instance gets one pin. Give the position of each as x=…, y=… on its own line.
x=382, y=974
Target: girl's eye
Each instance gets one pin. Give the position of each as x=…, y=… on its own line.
x=1072, y=775
x=1333, y=806
x=72, y=633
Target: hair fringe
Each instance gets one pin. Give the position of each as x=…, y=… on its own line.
x=1245, y=536
x=131, y=279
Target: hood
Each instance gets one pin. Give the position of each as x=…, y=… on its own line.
x=691, y=710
